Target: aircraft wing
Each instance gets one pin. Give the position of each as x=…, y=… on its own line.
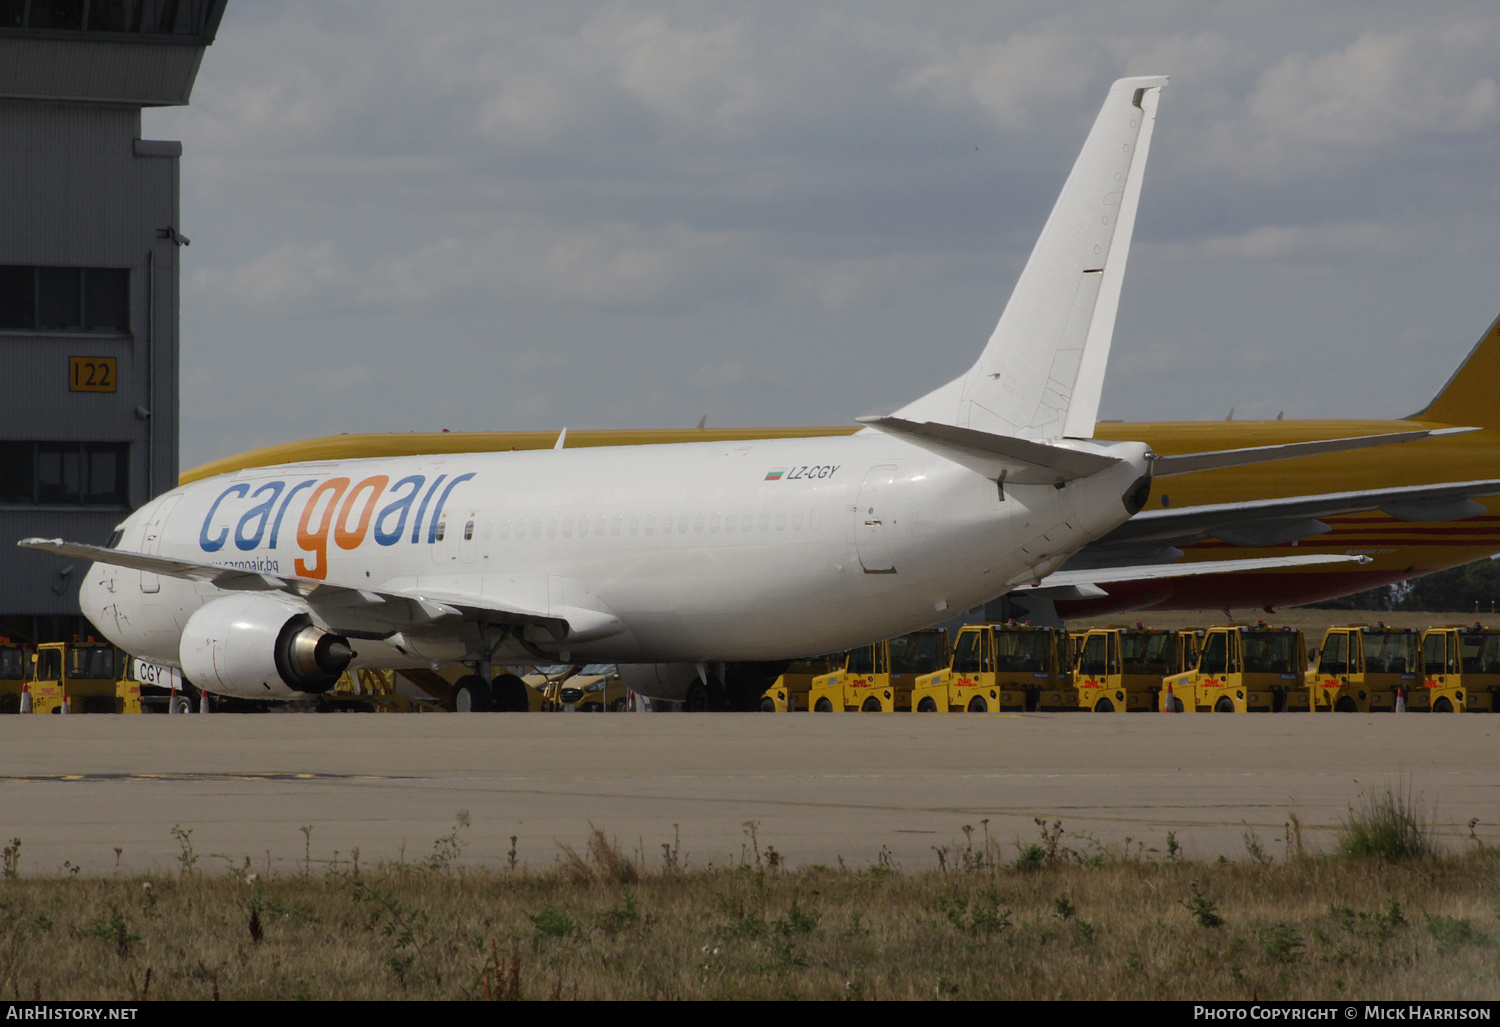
x=354, y=609
x=1151, y=534
x=1083, y=584
x=1187, y=463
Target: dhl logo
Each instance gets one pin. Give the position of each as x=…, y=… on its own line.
x=336, y=507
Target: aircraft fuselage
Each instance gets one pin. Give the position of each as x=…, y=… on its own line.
x=704, y=552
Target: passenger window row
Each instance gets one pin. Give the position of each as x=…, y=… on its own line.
x=599, y=526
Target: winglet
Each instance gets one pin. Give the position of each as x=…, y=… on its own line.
x=1468, y=397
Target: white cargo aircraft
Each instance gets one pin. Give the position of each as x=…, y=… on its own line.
x=679, y=562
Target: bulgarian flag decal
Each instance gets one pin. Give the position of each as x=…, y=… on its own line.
x=776, y=474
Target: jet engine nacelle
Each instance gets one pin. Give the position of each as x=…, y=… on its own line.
x=261, y=646
x=659, y=680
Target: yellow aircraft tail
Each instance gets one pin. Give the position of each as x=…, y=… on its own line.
x=1469, y=396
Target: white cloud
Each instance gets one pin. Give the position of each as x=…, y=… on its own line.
x=1012, y=80
x=291, y=274
x=607, y=266
x=1310, y=112
x=1289, y=243
x=841, y=283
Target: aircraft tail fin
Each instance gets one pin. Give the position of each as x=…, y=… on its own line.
x=1042, y=372
x=1469, y=395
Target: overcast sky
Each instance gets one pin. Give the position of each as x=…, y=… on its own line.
x=477, y=215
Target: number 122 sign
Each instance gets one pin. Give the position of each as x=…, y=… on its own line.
x=91, y=374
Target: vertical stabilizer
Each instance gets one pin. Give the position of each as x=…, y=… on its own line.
x=1469, y=396
x=1042, y=372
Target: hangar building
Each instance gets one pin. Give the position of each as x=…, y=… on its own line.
x=89, y=257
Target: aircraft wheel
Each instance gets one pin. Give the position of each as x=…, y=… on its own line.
x=823, y=706
x=509, y=694
x=927, y=706
x=768, y=705
x=471, y=694
x=1224, y=705
x=978, y=705
x=697, y=698
x=1442, y=706
x=1346, y=705
x=181, y=704
x=1104, y=706
x=871, y=705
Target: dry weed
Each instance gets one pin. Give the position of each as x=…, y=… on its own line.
x=600, y=925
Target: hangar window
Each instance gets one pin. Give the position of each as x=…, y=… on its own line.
x=153, y=17
x=64, y=299
x=63, y=473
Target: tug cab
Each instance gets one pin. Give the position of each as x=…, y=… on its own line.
x=789, y=692
x=879, y=678
x=1121, y=669
x=1360, y=667
x=1454, y=664
x=1240, y=669
x=82, y=677
x=1009, y=666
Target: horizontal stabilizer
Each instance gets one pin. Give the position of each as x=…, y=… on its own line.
x=1017, y=461
x=1187, y=463
x=1086, y=583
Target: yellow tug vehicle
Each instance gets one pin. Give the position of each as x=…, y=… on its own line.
x=878, y=678
x=82, y=677
x=1009, y=666
x=789, y=693
x=1478, y=676
x=1121, y=669
x=1458, y=673
x=1241, y=669
x=14, y=659
x=1361, y=668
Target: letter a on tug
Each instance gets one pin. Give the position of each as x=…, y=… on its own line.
x=674, y=561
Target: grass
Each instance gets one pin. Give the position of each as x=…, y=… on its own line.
x=1067, y=923
x=1390, y=827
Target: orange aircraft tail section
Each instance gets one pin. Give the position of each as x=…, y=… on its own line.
x=1469, y=396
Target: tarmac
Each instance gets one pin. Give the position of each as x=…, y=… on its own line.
x=289, y=792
